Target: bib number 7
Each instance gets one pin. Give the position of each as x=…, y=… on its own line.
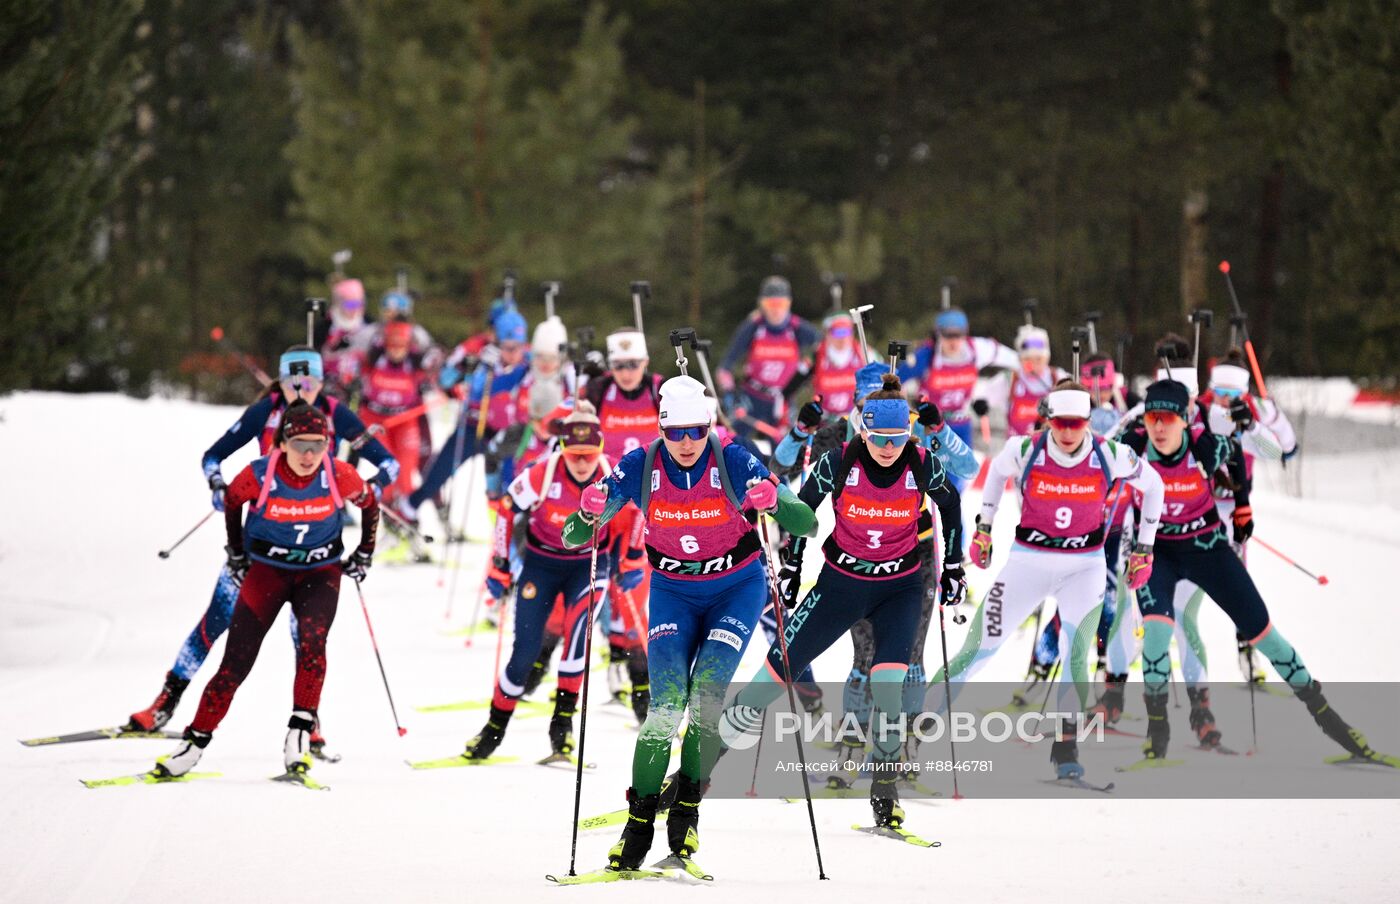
x=301, y=530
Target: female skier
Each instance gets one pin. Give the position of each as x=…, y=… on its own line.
x=877, y=483
x=708, y=587
x=300, y=376
x=288, y=551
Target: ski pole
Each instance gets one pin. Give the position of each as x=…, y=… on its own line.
x=467, y=502
x=476, y=613
x=1248, y=344
x=583, y=706
x=948, y=695
x=641, y=289
x=413, y=413
x=501, y=613
x=217, y=334
x=399, y=520
x=165, y=553
x=791, y=693
x=1198, y=317
x=1253, y=717
x=1320, y=578
x=451, y=494
x=858, y=315
x=380, y=659
x=313, y=307
x=757, y=755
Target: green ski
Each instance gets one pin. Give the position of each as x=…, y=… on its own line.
x=1142, y=764
x=452, y=762
x=146, y=778
x=607, y=874
x=897, y=835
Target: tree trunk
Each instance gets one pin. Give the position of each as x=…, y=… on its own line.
x=1271, y=217
x=481, y=158
x=697, y=223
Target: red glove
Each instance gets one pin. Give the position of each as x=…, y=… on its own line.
x=1244, y=523
x=981, y=545
x=1139, y=566
x=762, y=496
x=593, y=500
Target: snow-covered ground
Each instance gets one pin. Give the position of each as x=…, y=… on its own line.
x=90, y=620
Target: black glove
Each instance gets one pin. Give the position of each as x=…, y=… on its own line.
x=356, y=567
x=1241, y=414
x=789, y=579
x=1243, y=518
x=594, y=364
x=236, y=564
x=980, y=407
x=930, y=416
x=952, y=585
x=809, y=417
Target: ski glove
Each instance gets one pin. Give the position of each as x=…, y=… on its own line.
x=930, y=416
x=236, y=564
x=1244, y=524
x=593, y=501
x=490, y=357
x=498, y=577
x=952, y=586
x=809, y=417
x=217, y=487
x=1139, y=566
x=1241, y=414
x=594, y=365
x=762, y=496
x=981, y=545
x=356, y=567
x=980, y=407
x=789, y=580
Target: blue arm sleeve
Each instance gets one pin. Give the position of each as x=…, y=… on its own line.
x=956, y=457
x=786, y=453
x=478, y=387
x=625, y=483
x=739, y=344
x=349, y=427
x=923, y=360
x=742, y=467
x=244, y=429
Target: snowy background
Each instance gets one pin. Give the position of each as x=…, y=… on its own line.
x=90, y=620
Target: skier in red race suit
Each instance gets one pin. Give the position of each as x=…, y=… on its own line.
x=287, y=551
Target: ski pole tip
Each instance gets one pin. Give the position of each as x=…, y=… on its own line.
x=1224, y=266
x=402, y=731
x=1322, y=579
x=165, y=554
x=217, y=333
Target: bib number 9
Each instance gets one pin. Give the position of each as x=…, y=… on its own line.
x=690, y=545
x=1063, y=516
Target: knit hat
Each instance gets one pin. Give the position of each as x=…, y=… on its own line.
x=579, y=433
x=1033, y=340
x=549, y=336
x=869, y=378
x=301, y=419
x=1229, y=376
x=510, y=327
x=1067, y=403
x=1169, y=396
x=775, y=287
x=683, y=403
x=952, y=320
x=627, y=345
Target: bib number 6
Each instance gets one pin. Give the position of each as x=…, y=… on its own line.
x=690, y=545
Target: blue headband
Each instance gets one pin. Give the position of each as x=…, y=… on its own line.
x=286, y=367
x=951, y=319
x=884, y=414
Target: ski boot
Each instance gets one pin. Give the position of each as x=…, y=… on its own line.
x=154, y=717
x=454, y=535
x=296, y=749
x=1159, y=730
x=489, y=738
x=561, y=724
x=1110, y=702
x=1250, y=669
x=185, y=757
x=809, y=697
x=1064, y=754
x=884, y=801
x=683, y=820
x=536, y=675
x=1332, y=724
x=1202, y=719
x=617, y=673
x=1038, y=673
x=641, y=684
x=636, y=838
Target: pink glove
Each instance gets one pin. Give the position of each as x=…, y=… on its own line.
x=725, y=380
x=593, y=500
x=762, y=496
x=981, y=545
x=1139, y=566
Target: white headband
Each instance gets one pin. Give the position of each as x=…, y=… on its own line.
x=1068, y=403
x=1229, y=376
x=1186, y=376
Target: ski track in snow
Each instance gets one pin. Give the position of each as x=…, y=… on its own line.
x=90, y=620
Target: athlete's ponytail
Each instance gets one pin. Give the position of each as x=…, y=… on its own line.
x=890, y=388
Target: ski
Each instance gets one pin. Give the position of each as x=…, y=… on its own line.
x=301, y=779
x=1080, y=784
x=116, y=733
x=895, y=834
x=452, y=762
x=1218, y=748
x=607, y=874
x=1144, y=763
x=610, y=819
x=564, y=759
x=524, y=709
x=682, y=866
x=321, y=754
x=145, y=778
x=1376, y=759
x=1119, y=733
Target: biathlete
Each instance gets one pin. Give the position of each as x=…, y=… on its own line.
x=877, y=483
x=289, y=551
x=300, y=376
x=708, y=587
